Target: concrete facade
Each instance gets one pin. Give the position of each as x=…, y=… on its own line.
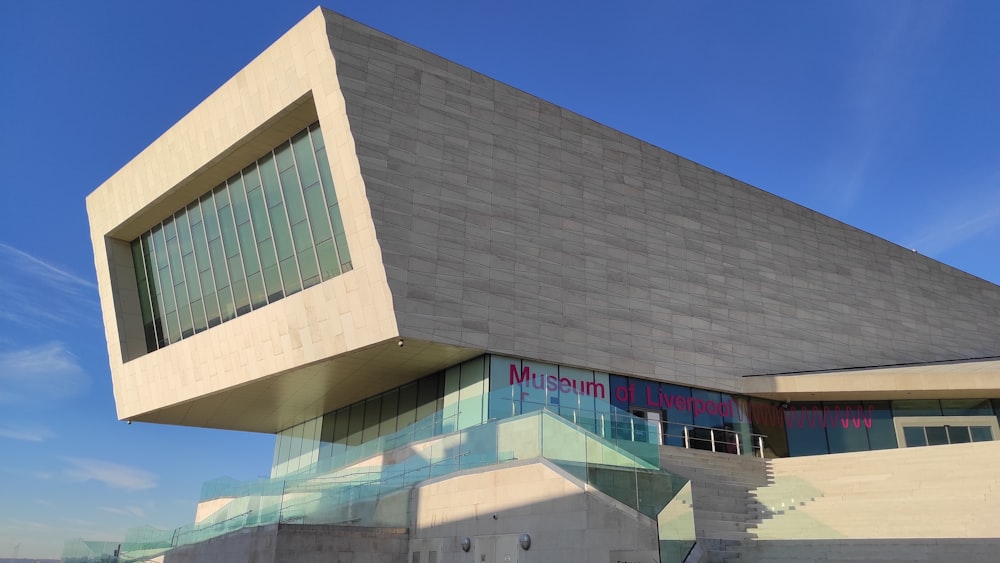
x=481, y=221
x=481, y=218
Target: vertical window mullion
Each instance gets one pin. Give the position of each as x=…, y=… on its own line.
x=287, y=191
x=230, y=242
x=196, y=294
x=203, y=264
x=270, y=230
x=217, y=258
x=156, y=300
x=275, y=202
x=300, y=172
x=181, y=289
x=145, y=301
x=319, y=219
x=333, y=206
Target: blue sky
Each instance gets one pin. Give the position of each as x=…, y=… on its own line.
x=880, y=114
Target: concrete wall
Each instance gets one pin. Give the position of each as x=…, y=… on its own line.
x=287, y=87
x=567, y=521
x=510, y=224
x=298, y=543
x=911, y=504
x=722, y=506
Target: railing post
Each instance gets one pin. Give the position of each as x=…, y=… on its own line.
x=737, y=444
x=711, y=435
x=687, y=440
x=760, y=445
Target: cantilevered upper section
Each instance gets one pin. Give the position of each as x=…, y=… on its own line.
x=476, y=218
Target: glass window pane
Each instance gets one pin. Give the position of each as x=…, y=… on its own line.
x=301, y=238
x=936, y=435
x=407, y=406
x=387, y=420
x=305, y=159
x=329, y=266
x=981, y=433
x=282, y=233
x=806, y=429
x=319, y=219
x=914, y=436
x=283, y=156
x=269, y=268
x=345, y=257
x=308, y=268
x=258, y=214
x=250, y=241
x=881, y=430
x=473, y=386
x=356, y=424
x=373, y=412
x=340, y=426
x=292, y=192
x=846, y=427
x=428, y=395
x=958, y=434
x=916, y=407
x=966, y=407
x=238, y=198
x=317, y=137
x=290, y=276
x=251, y=179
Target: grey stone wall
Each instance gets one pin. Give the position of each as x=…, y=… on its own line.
x=512, y=225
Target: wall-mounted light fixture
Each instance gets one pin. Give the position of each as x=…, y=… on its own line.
x=466, y=544
x=525, y=541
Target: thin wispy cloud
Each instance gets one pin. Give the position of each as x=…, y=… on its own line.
x=974, y=212
x=38, y=294
x=890, y=56
x=40, y=374
x=132, y=511
x=112, y=474
x=27, y=434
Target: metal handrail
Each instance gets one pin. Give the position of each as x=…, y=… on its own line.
x=716, y=437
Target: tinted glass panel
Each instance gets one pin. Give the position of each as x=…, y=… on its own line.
x=265, y=233
x=914, y=436
x=916, y=407
x=966, y=407
x=936, y=435
x=881, y=432
x=958, y=434
x=806, y=430
x=981, y=433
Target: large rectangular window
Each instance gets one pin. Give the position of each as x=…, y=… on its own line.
x=268, y=231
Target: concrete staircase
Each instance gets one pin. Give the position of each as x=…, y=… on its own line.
x=910, y=504
x=938, y=503
x=722, y=501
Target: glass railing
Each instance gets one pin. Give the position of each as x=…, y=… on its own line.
x=369, y=484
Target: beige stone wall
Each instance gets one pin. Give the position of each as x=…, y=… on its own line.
x=288, y=86
x=948, y=491
x=567, y=522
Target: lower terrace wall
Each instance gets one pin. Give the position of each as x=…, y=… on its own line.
x=937, y=503
x=298, y=543
x=568, y=522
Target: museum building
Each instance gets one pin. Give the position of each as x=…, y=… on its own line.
x=485, y=328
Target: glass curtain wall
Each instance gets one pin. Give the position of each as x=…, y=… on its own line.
x=497, y=387
x=458, y=394
x=267, y=232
